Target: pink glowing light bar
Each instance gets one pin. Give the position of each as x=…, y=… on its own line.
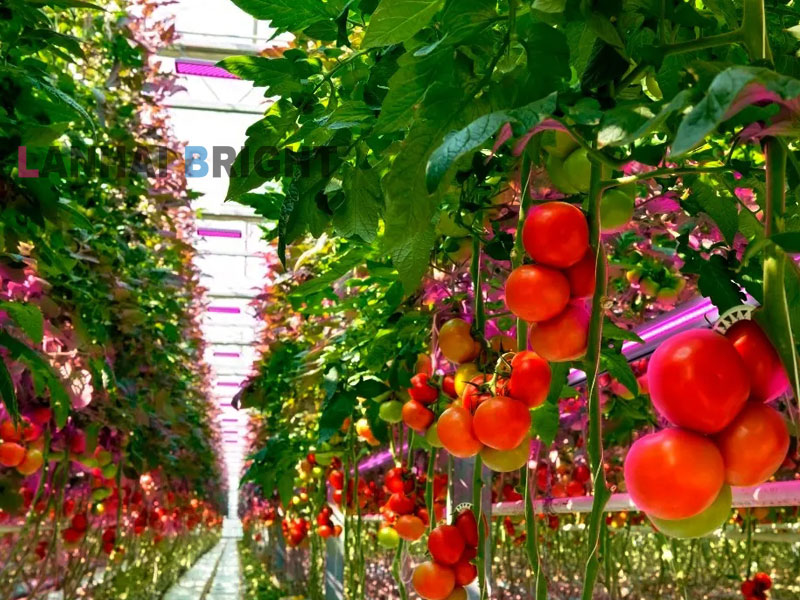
x=220, y=233
x=202, y=69
x=228, y=310
x=229, y=384
x=227, y=354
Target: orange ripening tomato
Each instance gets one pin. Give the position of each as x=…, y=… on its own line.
x=754, y=445
x=501, y=423
x=456, y=433
x=564, y=337
x=409, y=527
x=416, y=416
x=556, y=234
x=674, y=473
x=536, y=293
x=530, y=379
x=768, y=379
x=582, y=277
x=433, y=581
x=456, y=341
x=698, y=381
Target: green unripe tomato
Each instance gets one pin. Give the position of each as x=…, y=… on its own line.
x=555, y=169
x=702, y=524
x=317, y=472
x=616, y=209
x=102, y=493
x=432, y=437
x=388, y=538
x=447, y=226
x=560, y=145
x=578, y=169
x=324, y=458
x=391, y=412
x=104, y=457
x=459, y=250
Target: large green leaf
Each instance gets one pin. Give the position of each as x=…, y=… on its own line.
x=291, y=15
x=28, y=317
x=725, y=97
x=407, y=88
x=478, y=132
x=280, y=75
x=359, y=215
x=395, y=21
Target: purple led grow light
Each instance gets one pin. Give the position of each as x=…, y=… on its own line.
x=229, y=384
x=220, y=233
x=227, y=354
x=228, y=310
x=202, y=69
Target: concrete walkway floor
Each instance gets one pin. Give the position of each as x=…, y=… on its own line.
x=216, y=576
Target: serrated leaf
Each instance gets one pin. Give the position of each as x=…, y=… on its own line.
x=286, y=487
x=28, y=317
x=334, y=412
x=360, y=213
x=716, y=283
x=290, y=15
x=395, y=21
x=722, y=210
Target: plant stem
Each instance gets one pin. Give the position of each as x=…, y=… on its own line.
x=754, y=30
x=532, y=536
x=610, y=183
x=594, y=445
x=703, y=43
x=396, y=566
x=429, y=489
x=477, y=509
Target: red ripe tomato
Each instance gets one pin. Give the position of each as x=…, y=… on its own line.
x=536, y=293
x=433, y=581
x=325, y=531
x=564, y=337
x=465, y=572
x=556, y=234
x=398, y=480
x=409, y=527
x=674, y=473
x=446, y=544
x=9, y=432
x=502, y=423
x=416, y=416
x=698, y=381
x=11, y=454
x=456, y=433
x=476, y=390
x=336, y=479
x=530, y=379
x=449, y=386
x=466, y=524
x=575, y=488
x=581, y=276
x=400, y=504
x=421, y=390
x=581, y=474
x=768, y=378
x=754, y=445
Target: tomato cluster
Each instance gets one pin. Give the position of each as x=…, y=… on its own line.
x=757, y=587
x=295, y=530
x=22, y=443
x=325, y=526
x=712, y=390
x=452, y=549
x=405, y=511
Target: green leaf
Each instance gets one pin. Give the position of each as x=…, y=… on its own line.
x=624, y=126
x=28, y=317
x=337, y=269
x=66, y=3
x=613, y=332
x=789, y=241
x=462, y=19
x=359, y=215
x=286, y=487
x=617, y=366
x=605, y=30
x=290, y=15
x=267, y=205
x=334, y=412
x=723, y=210
x=43, y=135
x=544, y=422
x=407, y=87
x=281, y=76
x=396, y=21
x=726, y=89
x=478, y=132
x=60, y=96
x=716, y=283
x=550, y=6
x=7, y=391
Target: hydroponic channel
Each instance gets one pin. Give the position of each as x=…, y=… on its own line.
x=399, y=300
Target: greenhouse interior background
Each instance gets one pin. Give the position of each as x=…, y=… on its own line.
x=399, y=300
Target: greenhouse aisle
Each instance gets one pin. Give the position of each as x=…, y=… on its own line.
x=216, y=576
